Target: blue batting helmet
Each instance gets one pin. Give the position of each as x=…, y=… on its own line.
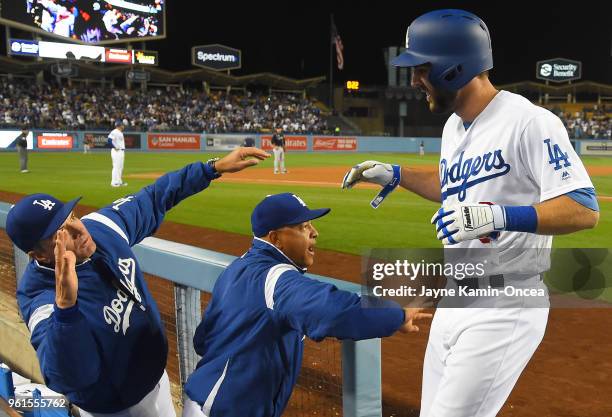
x=456, y=43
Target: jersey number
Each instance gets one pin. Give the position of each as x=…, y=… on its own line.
x=556, y=156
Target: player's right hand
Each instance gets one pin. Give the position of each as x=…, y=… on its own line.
x=368, y=171
x=239, y=159
x=66, y=282
x=412, y=314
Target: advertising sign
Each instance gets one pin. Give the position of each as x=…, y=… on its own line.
x=23, y=47
x=216, y=57
x=119, y=56
x=224, y=142
x=146, y=58
x=292, y=143
x=54, y=140
x=100, y=140
x=180, y=141
x=8, y=139
x=334, y=143
x=559, y=70
x=596, y=147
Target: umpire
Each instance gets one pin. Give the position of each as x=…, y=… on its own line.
x=96, y=329
x=22, y=149
x=252, y=337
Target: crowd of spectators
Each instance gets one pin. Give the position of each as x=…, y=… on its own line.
x=51, y=106
x=592, y=123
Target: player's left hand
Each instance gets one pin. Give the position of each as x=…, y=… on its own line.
x=460, y=222
x=239, y=159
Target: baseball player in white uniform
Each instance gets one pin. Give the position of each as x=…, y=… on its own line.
x=117, y=143
x=498, y=148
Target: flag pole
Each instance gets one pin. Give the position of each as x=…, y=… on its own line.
x=331, y=62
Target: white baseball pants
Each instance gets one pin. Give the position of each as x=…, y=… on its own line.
x=475, y=356
x=118, y=157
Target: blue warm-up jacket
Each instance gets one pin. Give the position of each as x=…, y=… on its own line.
x=109, y=350
x=251, y=338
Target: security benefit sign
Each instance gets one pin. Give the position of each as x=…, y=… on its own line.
x=559, y=70
x=54, y=140
x=216, y=57
x=173, y=141
x=292, y=143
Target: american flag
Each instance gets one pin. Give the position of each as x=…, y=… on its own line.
x=337, y=41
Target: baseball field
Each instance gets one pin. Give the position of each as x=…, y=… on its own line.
x=568, y=375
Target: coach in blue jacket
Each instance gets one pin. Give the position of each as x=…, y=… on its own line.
x=262, y=307
x=93, y=322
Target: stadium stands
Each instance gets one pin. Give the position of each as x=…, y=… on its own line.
x=587, y=123
x=53, y=106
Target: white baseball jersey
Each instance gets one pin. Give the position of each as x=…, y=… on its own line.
x=117, y=137
x=513, y=153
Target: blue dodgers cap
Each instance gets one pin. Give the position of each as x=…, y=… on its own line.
x=279, y=210
x=36, y=217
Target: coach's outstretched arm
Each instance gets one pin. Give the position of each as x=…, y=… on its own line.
x=141, y=214
x=321, y=310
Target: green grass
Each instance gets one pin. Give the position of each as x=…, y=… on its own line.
x=402, y=221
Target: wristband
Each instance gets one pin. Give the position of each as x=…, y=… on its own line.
x=520, y=219
x=397, y=176
x=210, y=166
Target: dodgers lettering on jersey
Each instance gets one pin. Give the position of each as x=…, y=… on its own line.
x=467, y=172
x=514, y=153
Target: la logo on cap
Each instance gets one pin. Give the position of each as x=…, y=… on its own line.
x=46, y=204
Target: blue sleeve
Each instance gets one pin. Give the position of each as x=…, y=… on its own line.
x=585, y=197
x=321, y=310
x=61, y=338
x=109, y=141
x=140, y=215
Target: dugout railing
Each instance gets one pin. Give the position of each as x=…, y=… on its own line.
x=337, y=378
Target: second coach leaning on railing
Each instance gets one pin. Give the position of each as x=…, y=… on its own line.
x=94, y=324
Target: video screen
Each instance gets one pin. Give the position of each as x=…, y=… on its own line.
x=91, y=21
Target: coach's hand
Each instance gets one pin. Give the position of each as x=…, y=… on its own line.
x=66, y=282
x=368, y=171
x=239, y=159
x=412, y=314
x=460, y=222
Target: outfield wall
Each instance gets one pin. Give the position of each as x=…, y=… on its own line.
x=50, y=141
